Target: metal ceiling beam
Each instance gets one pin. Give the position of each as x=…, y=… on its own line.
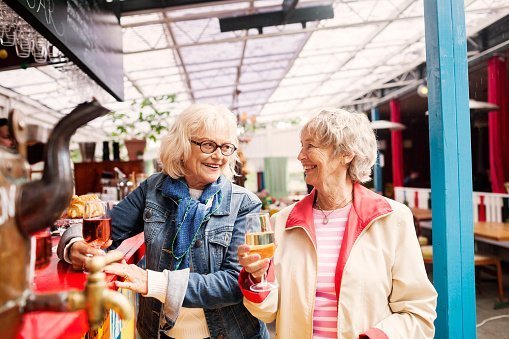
x=203, y=15
x=412, y=87
x=236, y=90
x=390, y=85
x=260, y=20
x=277, y=34
x=476, y=58
x=248, y=91
x=368, y=39
x=289, y=6
x=142, y=6
x=171, y=40
x=36, y=108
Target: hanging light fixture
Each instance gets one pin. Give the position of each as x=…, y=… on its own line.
x=422, y=90
x=385, y=124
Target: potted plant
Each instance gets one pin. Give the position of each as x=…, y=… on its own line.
x=143, y=121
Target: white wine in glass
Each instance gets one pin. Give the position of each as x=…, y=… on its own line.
x=260, y=238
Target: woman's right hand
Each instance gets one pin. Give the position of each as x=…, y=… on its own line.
x=252, y=263
x=80, y=251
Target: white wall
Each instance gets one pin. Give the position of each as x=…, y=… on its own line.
x=273, y=142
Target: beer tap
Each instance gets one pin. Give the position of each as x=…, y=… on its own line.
x=26, y=206
x=96, y=299
x=124, y=185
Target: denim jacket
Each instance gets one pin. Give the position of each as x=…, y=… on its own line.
x=211, y=281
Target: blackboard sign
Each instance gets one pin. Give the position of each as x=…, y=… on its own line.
x=87, y=33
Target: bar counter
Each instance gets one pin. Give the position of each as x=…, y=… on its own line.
x=59, y=276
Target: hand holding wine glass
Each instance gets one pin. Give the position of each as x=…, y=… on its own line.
x=97, y=223
x=260, y=238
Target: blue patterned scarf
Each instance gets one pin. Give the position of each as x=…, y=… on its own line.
x=191, y=215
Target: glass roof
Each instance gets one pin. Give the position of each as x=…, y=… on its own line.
x=286, y=72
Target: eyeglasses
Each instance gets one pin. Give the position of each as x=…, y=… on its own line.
x=209, y=147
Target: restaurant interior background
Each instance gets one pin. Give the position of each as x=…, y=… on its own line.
x=370, y=56
x=272, y=77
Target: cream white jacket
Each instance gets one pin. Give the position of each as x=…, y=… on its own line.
x=382, y=287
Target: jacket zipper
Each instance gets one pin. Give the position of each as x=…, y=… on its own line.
x=316, y=276
x=356, y=240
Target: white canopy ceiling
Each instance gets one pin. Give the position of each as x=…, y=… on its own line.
x=284, y=73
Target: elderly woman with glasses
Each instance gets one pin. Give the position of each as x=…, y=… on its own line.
x=193, y=218
x=347, y=261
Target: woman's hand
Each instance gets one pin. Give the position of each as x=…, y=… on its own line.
x=81, y=251
x=134, y=278
x=252, y=263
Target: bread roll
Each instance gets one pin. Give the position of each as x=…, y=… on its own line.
x=77, y=205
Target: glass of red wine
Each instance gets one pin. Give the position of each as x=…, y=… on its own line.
x=97, y=223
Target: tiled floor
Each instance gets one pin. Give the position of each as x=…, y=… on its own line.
x=486, y=299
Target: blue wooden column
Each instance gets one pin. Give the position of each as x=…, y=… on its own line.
x=451, y=168
x=377, y=169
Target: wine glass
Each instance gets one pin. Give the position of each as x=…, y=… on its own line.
x=97, y=223
x=40, y=253
x=260, y=238
x=42, y=242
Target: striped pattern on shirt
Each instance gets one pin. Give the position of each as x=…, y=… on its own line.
x=328, y=244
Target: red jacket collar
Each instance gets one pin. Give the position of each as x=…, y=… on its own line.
x=367, y=205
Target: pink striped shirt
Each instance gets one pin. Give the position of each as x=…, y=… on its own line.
x=328, y=244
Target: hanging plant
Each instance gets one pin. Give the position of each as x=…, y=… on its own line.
x=143, y=120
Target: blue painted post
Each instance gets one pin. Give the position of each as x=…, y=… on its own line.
x=451, y=168
x=377, y=169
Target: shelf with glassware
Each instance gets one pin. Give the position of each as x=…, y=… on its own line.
x=92, y=177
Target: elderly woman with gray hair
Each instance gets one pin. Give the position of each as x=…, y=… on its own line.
x=347, y=261
x=193, y=218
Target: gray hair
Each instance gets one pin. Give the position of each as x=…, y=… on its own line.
x=349, y=133
x=197, y=119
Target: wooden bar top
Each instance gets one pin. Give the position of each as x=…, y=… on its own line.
x=492, y=230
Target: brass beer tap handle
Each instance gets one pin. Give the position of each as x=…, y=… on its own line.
x=119, y=305
x=97, y=263
x=99, y=297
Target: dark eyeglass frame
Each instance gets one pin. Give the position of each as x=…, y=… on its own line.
x=215, y=147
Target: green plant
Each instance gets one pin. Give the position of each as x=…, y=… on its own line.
x=144, y=120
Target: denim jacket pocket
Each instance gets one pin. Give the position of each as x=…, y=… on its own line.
x=218, y=242
x=154, y=220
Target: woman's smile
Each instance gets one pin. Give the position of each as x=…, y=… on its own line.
x=309, y=168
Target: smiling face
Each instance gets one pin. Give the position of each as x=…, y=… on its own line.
x=201, y=168
x=321, y=166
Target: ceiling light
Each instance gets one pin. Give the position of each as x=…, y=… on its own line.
x=422, y=91
x=481, y=105
x=385, y=124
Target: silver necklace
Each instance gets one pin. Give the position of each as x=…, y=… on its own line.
x=326, y=216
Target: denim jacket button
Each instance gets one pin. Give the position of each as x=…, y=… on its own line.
x=198, y=243
x=220, y=336
x=148, y=214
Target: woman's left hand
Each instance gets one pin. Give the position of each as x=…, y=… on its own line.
x=134, y=278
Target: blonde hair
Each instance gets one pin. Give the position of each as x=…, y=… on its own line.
x=197, y=119
x=349, y=133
